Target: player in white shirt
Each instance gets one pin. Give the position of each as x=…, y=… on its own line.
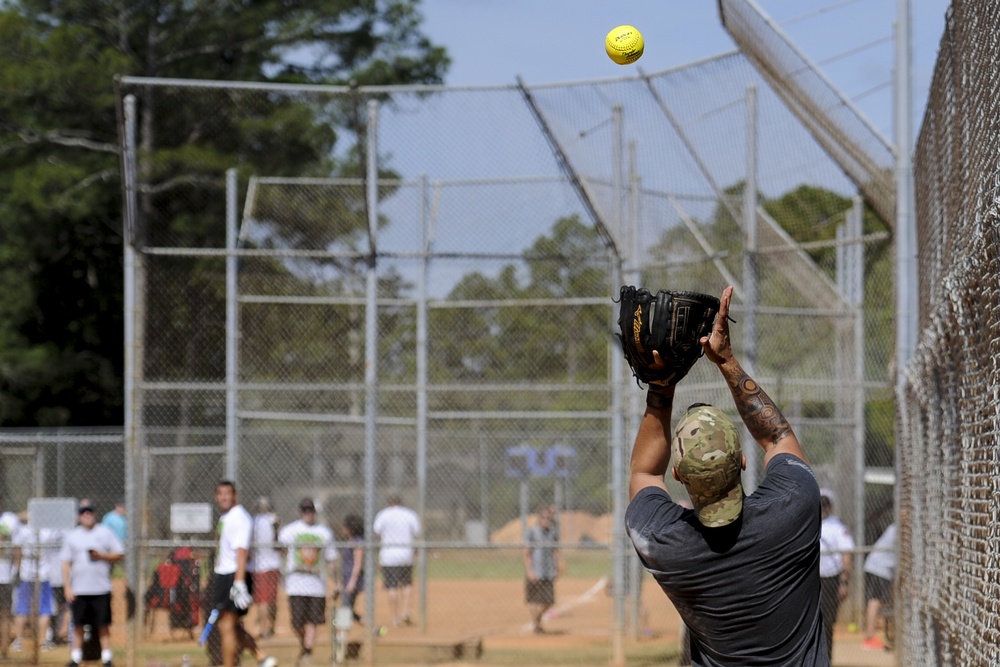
x=87, y=553
x=397, y=527
x=8, y=526
x=30, y=555
x=59, y=624
x=308, y=570
x=265, y=563
x=231, y=583
x=835, y=560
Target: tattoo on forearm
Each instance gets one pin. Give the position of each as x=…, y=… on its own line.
x=761, y=416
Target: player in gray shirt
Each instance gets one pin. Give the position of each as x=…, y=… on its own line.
x=743, y=572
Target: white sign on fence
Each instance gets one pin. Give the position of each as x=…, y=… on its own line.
x=57, y=513
x=190, y=518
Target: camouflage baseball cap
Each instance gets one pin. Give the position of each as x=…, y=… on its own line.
x=708, y=458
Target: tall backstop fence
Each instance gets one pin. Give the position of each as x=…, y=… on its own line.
x=348, y=292
x=950, y=416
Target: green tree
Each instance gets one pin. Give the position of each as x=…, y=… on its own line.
x=498, y=343
x=808, y=214
x=510, y=346
x=60, y=194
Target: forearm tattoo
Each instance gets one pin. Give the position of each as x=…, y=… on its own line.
x=761, y=416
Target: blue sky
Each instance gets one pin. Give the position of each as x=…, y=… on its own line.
x=544, y=41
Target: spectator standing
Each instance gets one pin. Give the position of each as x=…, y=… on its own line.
x=836, y=557
x=742, y=571
x=87, y=554
x=231, y=583
x=9, y=524
x=308, y=571
x=880, y=568
x=396, y=527
x=265, y=564
x=352, y=562
x=541, y=567
x=117, y=521
x=32, y=561
x=59, y=624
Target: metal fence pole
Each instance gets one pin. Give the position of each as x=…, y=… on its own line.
x=232, y=333
x=750, y=295
x=371, y=371
x=132, y=419
x=422, y=400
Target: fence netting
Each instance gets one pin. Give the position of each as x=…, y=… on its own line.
x=949, y=537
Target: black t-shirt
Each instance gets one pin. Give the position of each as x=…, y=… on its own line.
x=749, y=591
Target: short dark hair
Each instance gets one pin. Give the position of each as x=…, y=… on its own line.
x=355, y=525
x=226, y=482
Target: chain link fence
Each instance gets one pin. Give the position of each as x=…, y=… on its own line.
x=948, y=604
x=346, y=293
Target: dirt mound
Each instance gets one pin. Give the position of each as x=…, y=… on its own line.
x=574, y=527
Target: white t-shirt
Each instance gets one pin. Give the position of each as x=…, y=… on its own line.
x=89, y=577
x=396, y=527
x=35, y=556
x=882, y=560
x=234, y=530
x=264, y=557
x=310, y=551
x=53, y=553
x=8, y=526
x=834, y=541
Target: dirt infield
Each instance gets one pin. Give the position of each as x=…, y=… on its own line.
x=488, y=615
x=470, y=621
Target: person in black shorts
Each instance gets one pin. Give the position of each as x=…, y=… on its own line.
x=397, y=527
x=311, y=555
x=541, y=566
x=231, y=583
x=87, y=554
x=743, y=572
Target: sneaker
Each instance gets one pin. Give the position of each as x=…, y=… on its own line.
x=48, y=645
x=873, y=644
x=16, y=646
x=72, y=664
x=305, y=659
x=269, y=661
x=106, y=663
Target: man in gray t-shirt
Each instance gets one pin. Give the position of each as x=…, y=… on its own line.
x=743, y=572
x=541, y=566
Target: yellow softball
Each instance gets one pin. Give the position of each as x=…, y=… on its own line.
x=624, y=44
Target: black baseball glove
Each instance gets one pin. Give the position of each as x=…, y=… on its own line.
x=671, y=323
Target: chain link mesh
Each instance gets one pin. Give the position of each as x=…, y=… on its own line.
x=949, y=418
